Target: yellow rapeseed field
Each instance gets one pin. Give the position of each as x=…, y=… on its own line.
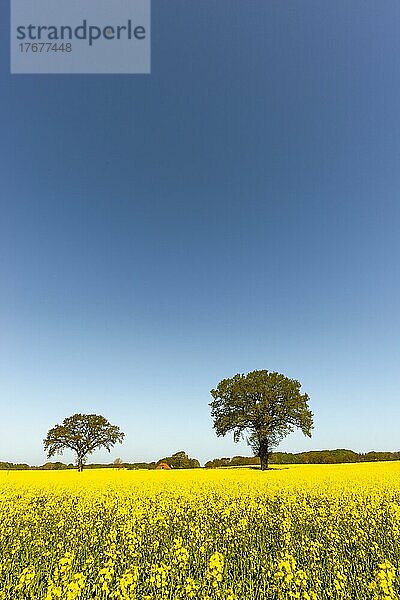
x=308, y=532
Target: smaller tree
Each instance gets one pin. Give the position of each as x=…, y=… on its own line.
x=117, y=463
x=83, y=434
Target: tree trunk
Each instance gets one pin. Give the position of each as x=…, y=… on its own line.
x=80, y=464
x=264, y=452
x=264, y=461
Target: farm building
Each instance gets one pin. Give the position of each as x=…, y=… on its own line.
x=164, y=466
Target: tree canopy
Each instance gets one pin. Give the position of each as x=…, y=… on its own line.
x=180, y=460
x=266, y=406
x=83, y=434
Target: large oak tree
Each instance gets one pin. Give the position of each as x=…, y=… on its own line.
x=83, y=434
x=265, y=406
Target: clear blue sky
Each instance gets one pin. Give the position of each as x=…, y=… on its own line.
x=237, y=209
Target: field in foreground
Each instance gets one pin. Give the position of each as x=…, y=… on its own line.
x=309, y=532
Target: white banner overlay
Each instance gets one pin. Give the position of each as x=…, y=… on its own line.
x=80, y=36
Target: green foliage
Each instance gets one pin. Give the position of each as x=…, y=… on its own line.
x=9, y=466
x=236, y=461
x=124, y=465
x=180, y=460
x=278, y=458
x=267, y=406
x=218, y=462
x=140, y=465
x=316, y=457
x=54, y=466
x=83, y=434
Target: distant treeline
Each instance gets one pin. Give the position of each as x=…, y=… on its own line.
x=313, y=457
x=59, y=466
x=179, y=460
x=7, y=466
